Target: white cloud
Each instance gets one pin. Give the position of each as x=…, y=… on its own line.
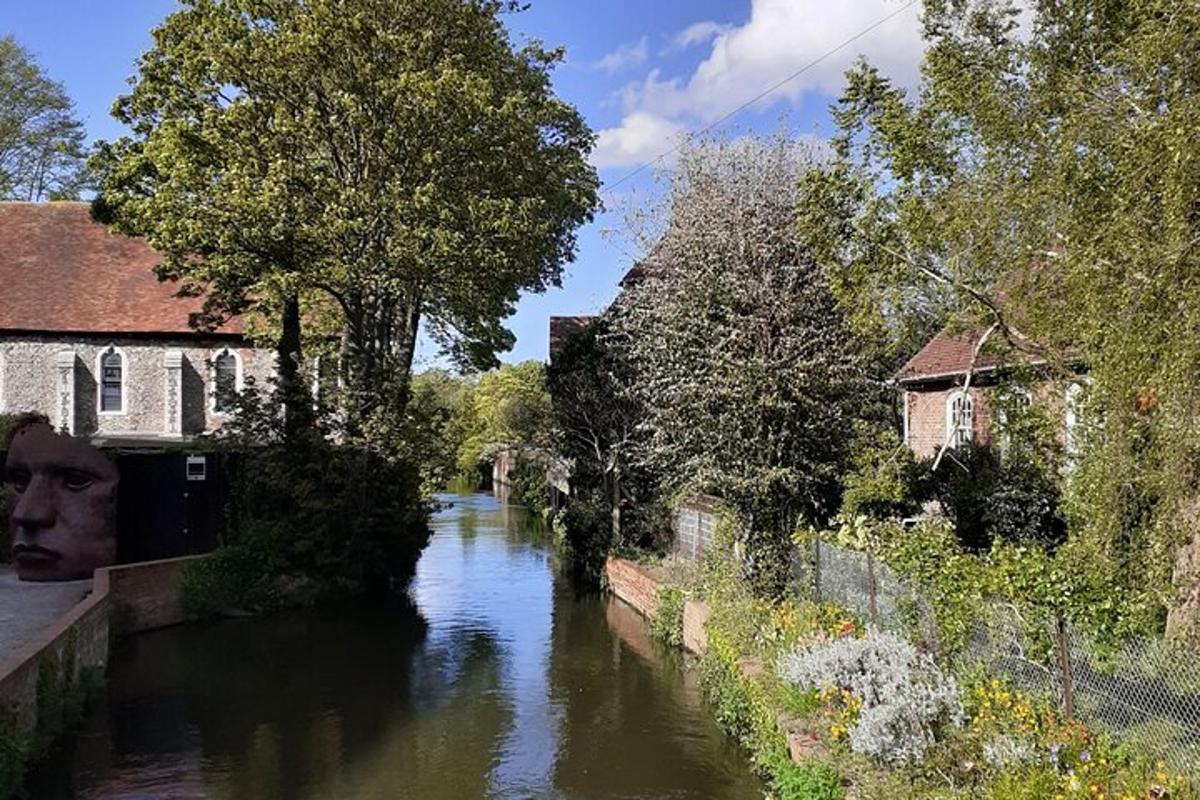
x=626, y=55
x=641, y=137
x=698, y=33
x=781, y=37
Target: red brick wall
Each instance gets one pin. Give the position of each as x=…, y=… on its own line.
x=927, y=419
x=633, y=583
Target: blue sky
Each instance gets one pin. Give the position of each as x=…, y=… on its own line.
x=643, y=73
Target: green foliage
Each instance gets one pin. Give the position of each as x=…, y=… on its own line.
x=1044, y=174
x=529, y=487
x=885, y=481
x=438, y=417
x=807, y=781
x=508, y=408
x=667, y=623
x=42, y=143
x=744, y=364
x=311, y=517
x=584, y=538
x=16, y=749
x=427, y=175
x=596, y=421
x=992, y=498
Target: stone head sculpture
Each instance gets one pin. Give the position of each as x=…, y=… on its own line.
x=62, y=503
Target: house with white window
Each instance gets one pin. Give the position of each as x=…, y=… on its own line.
x=90, y=336
x=939, y=407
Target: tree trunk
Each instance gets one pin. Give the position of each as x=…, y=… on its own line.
x=616, y=505
x=297, y=406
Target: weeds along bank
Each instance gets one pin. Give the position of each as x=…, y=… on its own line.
x=830, y=704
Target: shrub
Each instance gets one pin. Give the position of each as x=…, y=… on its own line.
x=903, y=698
x=667, y=624
x=807, y=781
x=990, y=498
x=583, y=534
x=311, y=517
x=886, y=481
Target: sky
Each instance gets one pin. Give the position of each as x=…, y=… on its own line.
x=643, y=73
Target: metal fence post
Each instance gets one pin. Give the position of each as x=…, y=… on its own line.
x=816, y=556
x=1064, y=666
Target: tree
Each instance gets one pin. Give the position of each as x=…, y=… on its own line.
x=747, y=371
x=398, y=160
x=1044, y=183
x=509, y=408
x=597, y=420
x=41, y=141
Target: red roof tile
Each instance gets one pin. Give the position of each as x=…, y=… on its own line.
x=563, y=327
x=62, y=272
x=946, y=355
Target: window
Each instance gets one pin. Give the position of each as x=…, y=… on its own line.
x=226, y=380
x=110, y=371
x=960, y=418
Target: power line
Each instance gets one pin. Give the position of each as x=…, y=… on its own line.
x=770, y=90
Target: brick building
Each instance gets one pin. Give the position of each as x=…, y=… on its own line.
x=937, y=408
x=90, y=337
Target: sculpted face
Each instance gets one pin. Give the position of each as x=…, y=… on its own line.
x=62, y=506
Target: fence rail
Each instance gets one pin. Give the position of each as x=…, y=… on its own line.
x=1147, y=695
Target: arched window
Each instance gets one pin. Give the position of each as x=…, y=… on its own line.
x=960, y=418
x=110, y=378
x=226, y=379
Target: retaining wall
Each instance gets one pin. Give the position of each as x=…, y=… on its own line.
x=124, y=599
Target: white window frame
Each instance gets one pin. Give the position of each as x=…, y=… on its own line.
x=117, y=351
x=238, y=377
x=954, y=427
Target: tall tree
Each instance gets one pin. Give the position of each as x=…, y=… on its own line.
x=748, y=373
x=399, y=160
x=1045, y=180
x=41, y=141
x=597, y=419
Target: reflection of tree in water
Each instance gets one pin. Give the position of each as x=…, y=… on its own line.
x=632, y=727
x=305, y=705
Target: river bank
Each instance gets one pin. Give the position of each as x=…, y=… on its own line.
x=498, y=680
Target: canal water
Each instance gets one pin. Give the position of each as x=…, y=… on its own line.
x=497, y=681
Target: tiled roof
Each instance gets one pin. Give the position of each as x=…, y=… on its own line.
x=946, y=355
x=62, y=272
x=563, y=327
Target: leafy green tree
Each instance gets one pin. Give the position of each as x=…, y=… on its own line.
x=399, y=160
x=1043, y=184
x=509, y=408
x=746, y=368
x=597, y=422
x=437, y=423
x=41, y=141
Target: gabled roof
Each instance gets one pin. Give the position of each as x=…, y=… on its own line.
x=563, y=327
x=947, y=355
x=62, y=272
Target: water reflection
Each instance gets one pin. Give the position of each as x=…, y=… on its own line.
x=497, y=682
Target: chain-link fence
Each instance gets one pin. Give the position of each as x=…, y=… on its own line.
x=1147, y=695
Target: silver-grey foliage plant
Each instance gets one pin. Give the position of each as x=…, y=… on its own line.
x=906, y=698
x=748, y=373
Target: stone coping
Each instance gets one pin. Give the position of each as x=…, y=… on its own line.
x=99, y=596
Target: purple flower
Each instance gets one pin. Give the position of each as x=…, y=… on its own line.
x=1085, y=756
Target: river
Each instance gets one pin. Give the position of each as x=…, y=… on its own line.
x=497, y=680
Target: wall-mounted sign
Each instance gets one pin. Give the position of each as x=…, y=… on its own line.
x=197, y=468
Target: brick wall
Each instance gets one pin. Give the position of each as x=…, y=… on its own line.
x=927, y=418
x=637, y=585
